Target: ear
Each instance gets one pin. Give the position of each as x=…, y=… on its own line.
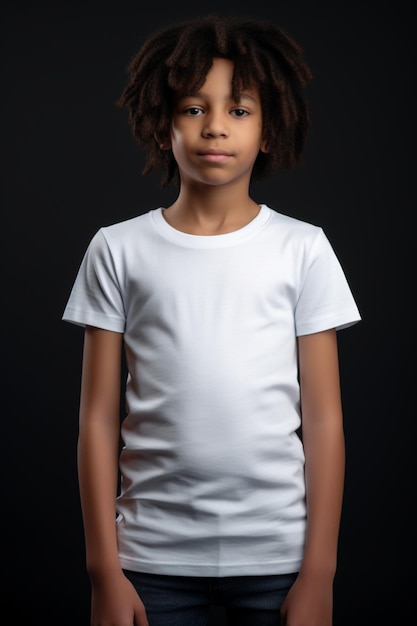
x=264, y=147
x=165, y=144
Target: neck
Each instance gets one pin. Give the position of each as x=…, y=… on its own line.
x=215, y=212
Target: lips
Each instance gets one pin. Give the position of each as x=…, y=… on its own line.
x=215, y=156
x=215, y=152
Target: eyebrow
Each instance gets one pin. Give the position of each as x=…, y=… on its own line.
x=200, y=94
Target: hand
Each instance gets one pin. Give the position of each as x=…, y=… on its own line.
x=115, y=602
x=309, y=602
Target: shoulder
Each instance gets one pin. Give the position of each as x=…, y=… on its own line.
x=292, y=230
x=116, y=241
x=122, y=234
x=133, y=225
x=292, y=224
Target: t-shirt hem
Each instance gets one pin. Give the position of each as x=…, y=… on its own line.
x=349, y=318
x=218, y=571
x=86, y=318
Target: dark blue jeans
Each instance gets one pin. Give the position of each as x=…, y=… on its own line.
x=185, y=600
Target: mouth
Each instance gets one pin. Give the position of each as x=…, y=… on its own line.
x=215, y=156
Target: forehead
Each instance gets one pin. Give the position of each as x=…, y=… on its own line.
x=221, y=76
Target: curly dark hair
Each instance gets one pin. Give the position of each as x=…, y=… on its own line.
x=177, y=57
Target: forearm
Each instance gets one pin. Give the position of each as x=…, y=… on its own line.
x=324, y=473
x=98, y=478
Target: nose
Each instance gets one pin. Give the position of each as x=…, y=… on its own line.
x=215, y=125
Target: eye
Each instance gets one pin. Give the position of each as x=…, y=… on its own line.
x=193, y=111
x=239, y=112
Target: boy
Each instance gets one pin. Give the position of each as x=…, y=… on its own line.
x=227, y=312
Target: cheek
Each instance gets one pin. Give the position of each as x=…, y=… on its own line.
x=179, y=147
x=182, y=140
x=177, y=136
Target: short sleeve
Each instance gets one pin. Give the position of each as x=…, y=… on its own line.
x=96, y=298
x=325, y=300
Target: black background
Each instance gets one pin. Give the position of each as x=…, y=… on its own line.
x=70, y=165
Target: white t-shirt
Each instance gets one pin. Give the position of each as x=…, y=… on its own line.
x=212, y=468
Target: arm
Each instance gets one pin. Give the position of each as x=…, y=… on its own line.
x=310, y=601
x=114, y=600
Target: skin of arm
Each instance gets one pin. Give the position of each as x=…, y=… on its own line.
x=114, y=600
x=310, y=600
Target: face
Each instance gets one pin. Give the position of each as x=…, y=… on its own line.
x=214, y=139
